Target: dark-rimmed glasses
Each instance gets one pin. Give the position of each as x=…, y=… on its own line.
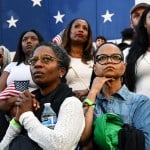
x=44, y=59
x=103, y=59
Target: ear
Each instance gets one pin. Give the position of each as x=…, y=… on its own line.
x=62, y=72
x=124, y=68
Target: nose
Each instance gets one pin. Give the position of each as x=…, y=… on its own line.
x=109, y=60
x=28, y=40
x=38, y=63
x=81, y=29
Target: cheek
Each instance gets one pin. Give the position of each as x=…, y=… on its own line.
x=71, y=34
x=52, y=72
x=98, y=71
x=23, y=45
x=86, y=36
x=122, y=70
x=35, y=43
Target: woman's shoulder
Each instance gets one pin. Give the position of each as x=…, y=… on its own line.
x=14, y=65
x=72, y=100
x=10, y=65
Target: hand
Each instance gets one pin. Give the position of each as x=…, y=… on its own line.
x=81, y=94
x=99, y=82
x=26, y=102
x=36, y=104
x=7, y=104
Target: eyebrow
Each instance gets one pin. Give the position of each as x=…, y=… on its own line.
x=110, y=54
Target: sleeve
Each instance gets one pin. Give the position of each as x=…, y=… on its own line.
x=67, y=131
x=11, y=133
x=141, y=120
x=9, y=67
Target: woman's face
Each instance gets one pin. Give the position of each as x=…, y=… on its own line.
x=1, y=57
x=79, y=31
x=44, y=67
x=109, y=69
x=29, y=41
x=135, y=16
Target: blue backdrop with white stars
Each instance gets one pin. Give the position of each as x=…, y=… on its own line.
x=106, y=17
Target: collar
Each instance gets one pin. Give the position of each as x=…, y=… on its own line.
x=123, y=93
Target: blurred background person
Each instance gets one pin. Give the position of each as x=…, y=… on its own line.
x=136, y=13
x=5, y=58
x=99, y=40
x=127, y=37
x=137, y=75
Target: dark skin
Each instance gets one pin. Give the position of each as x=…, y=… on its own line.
x=78, y=36
x=81, y=94
x=6, y=105
x=108, y=81
x=9, y=106
x=45, y=75
x=25, y=102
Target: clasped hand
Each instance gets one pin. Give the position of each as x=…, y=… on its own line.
x=26, y=102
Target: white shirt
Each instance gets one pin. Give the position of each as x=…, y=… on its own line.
x=79, y=74
x=67, y=131
x=19, y=73
x=143, y=75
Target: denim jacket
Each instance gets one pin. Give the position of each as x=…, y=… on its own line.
x=133, y=108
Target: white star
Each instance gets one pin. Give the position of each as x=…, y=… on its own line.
x=59, y=17
x=107, y=16
x=36, y=2
x=12, y=22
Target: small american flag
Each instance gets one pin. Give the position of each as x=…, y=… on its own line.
x=14, y=89
x=58, y=38
x=8, y=92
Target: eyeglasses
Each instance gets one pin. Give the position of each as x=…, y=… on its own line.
x=44, y=59
x=103, y=59
x=1, y=55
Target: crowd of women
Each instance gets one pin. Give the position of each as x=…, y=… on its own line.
x=63, y=75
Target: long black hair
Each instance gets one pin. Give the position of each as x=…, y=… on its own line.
x=139, y=47
x=19, y=55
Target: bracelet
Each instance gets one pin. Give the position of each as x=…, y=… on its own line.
x=13, y=122
x=89, y=102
